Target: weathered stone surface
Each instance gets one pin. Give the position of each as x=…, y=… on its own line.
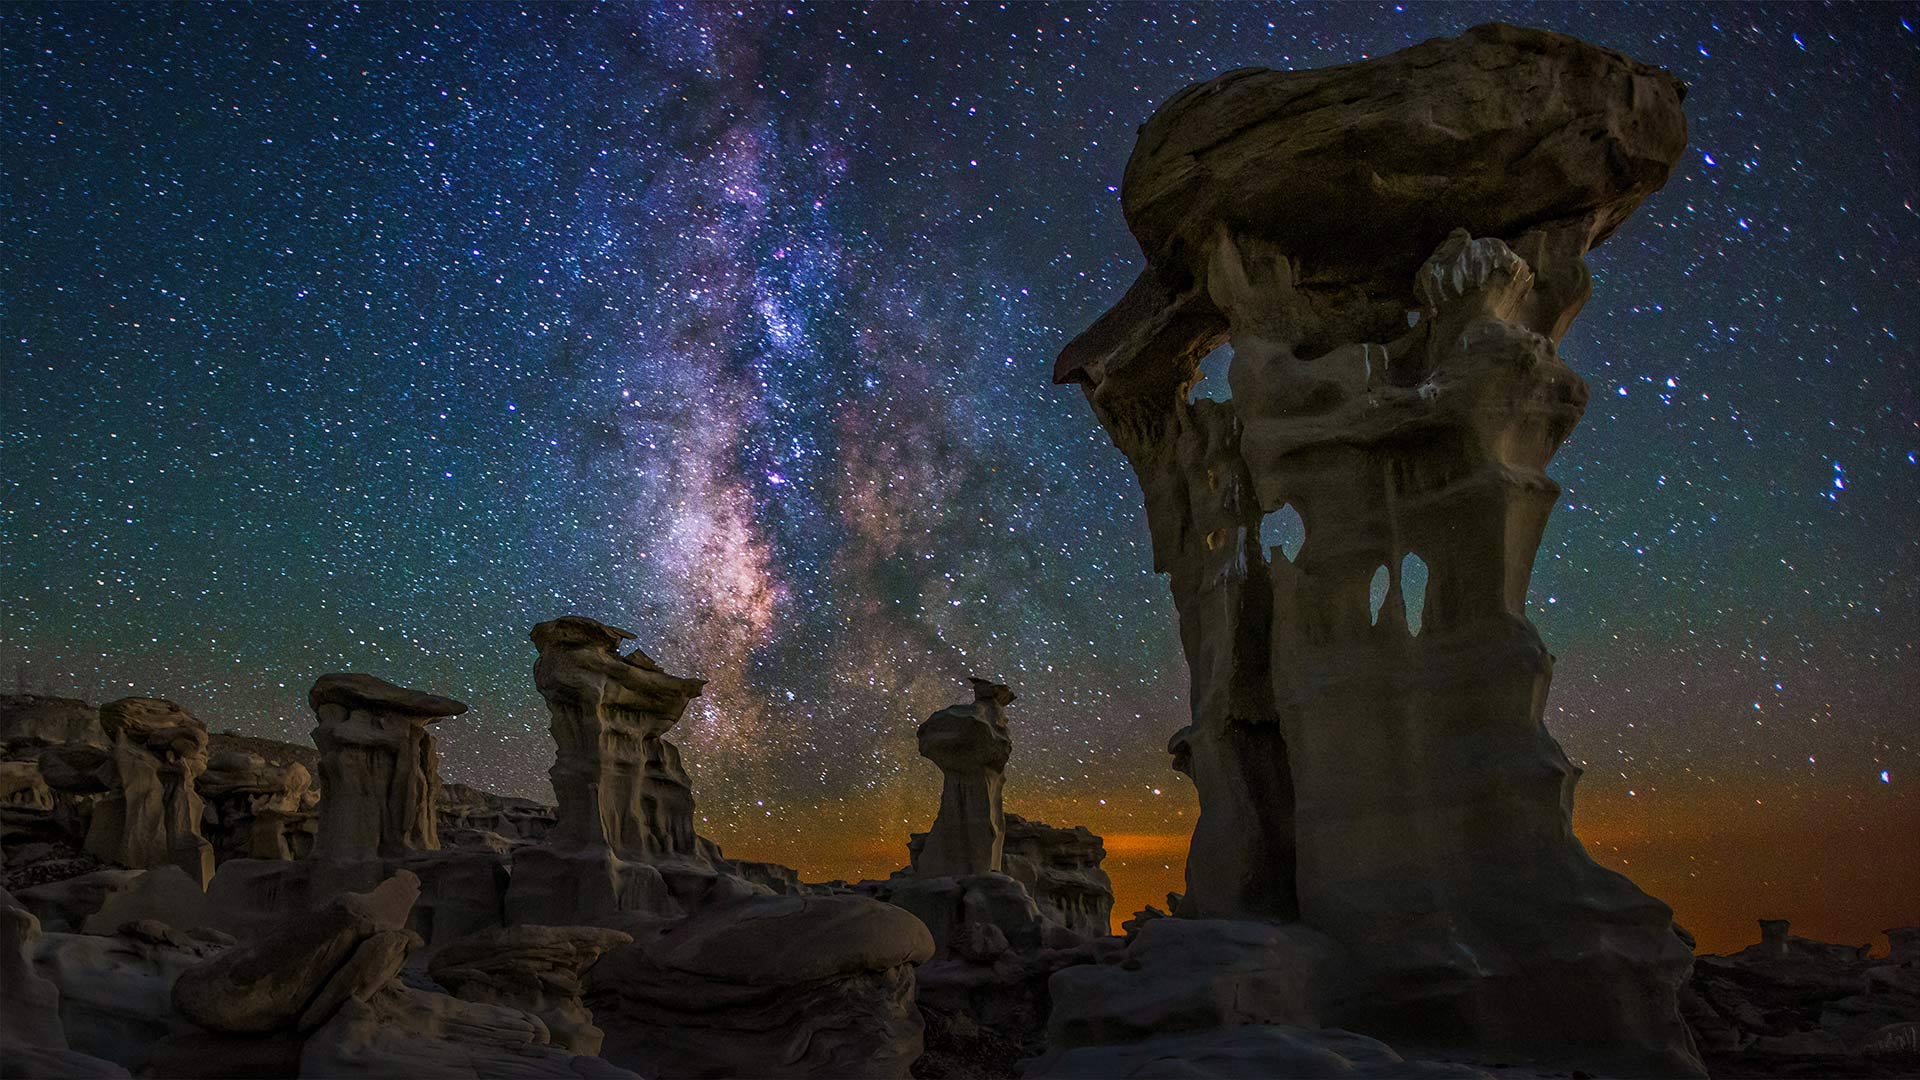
x=379, y=771
x=620, y=785
x=32, y=1013
x=31, y=722
x=1061, y=870
x=1181, y=975
x=64, y=905
x=971, y=745
x=1790, y=1005
x=470, y=817
x=268, y=985
x=254, y=806
x=537, y=969
x=151, y=817
x=1369, y=754
x=1245, y=1053
x=164, y=893
x=403, y=1032
x=818, y=986
x=115, y=992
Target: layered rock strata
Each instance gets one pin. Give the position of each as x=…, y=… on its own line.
x=1393, y=248
x=150, y=816
x=817, y=986
x=379, y=771
x=970, y=744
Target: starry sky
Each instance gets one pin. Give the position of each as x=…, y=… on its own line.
x=364, y=337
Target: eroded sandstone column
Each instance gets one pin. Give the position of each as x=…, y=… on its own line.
x=379, y=770
x=252, y=802
x=151, y=815
x=1393, y=249
x=620, y=786
x=971, y=745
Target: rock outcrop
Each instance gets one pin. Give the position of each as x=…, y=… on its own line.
x=817, y=986
x=33, y=1040
x=379, y=772
x=971, y=745
x=1793, y=1006
x=255, y=809
x=537, y=969
x=151, y=815
x=1393, y=248
x=1061, y=871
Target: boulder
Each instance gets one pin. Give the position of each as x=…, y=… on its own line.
x=809, y=986
x=1060, y=869
x=253, y=805
x=116, y=991
x=400, y=1031
x=30, y=723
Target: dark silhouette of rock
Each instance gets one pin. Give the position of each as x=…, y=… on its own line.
x=537, y=969
x=817, y=986
x=151, y=817
x=1393, y=249
x=971, y=745
x=1254, y=1051
x=256, y=808
x=379, y=772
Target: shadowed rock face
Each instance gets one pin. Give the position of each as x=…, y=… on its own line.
x=251, y=802
x=971, y=745
x=379, y=772
x=620, y=786
x=1393, y=249
x=152, y=815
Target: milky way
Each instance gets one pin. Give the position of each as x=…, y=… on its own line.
x=363, y=339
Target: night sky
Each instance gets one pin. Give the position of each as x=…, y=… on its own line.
x=365, y=337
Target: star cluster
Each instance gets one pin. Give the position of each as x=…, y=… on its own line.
x=363, y=338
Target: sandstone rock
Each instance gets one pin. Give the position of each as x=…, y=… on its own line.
x=404, y=1032
x=1181, y=975
x=115, y=992
x=272, y=984
x=164, y=893
x=379, y=772
x=31, y=722
x=621, y=787
x=32, y=1014
x=152, y=815
x=64, y=905
x=1375, y=765
x=537, y=969
x=815, y=986
x=971, y=745
x=467, y=814
x=1061, y=870
x=1245, y=1053
x=252, y=804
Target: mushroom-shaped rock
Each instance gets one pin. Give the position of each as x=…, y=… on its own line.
x=534, y=968
x=1393, y=249
x=151, y=815
x=971, y=745
x=813, y=986
x=251, y=802
x=620, y=786
x=379, y=771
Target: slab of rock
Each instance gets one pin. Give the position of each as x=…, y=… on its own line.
x=970, y=744
x=379, y=771
x=814, y=986
x=272, y=984
x=537, y=969
x=30, y=723
x=1393, y=249
x=620, y=785
x=116, y=992
x=151, y=817
x=400, y=1031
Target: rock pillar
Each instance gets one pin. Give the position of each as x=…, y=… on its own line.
x=379, y=771
x=971, y=745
